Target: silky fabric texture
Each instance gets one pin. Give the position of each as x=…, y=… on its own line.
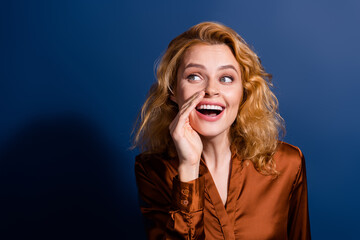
x=257, y=206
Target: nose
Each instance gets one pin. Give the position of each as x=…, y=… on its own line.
x=211, y=88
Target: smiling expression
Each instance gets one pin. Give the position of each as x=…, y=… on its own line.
x=214, y=69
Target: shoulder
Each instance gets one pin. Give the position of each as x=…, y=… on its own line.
x=287, y=150
x=147, y=158
x=152, y=160
x=155, y=165
x=289, y=159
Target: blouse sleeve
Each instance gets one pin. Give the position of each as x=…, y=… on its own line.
x=174, y=215
x=299, y=223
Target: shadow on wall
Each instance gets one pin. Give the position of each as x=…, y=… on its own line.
x=57, y=182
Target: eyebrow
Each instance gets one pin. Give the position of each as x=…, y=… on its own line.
x=195, y=65
x=227, y=67
x=203, y=67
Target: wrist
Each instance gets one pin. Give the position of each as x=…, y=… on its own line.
x=188, y=172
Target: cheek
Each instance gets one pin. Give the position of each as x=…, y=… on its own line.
x=235, y=98
x=184, y=93
x=234, y=101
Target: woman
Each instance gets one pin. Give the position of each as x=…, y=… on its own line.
x=212, y=165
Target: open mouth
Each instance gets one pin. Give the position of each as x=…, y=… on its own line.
x=209, y=110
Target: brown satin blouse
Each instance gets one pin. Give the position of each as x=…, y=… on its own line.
x=257, y=206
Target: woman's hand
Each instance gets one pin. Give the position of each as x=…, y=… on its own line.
x=187, y=141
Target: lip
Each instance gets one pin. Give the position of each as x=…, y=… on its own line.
x=209, y=118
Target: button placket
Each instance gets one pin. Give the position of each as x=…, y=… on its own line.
x=185, y=196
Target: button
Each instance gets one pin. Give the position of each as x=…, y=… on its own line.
x=185, y=192
x=184, y=202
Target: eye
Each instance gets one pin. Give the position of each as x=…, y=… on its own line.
x=193, y=77
x=226, y=79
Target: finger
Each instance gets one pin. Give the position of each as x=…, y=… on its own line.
x=189, y=100
x=195, y=99
x=180, y=119
x=174, y=123
x=185, y=112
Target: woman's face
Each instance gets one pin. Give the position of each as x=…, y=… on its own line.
x=214, y=69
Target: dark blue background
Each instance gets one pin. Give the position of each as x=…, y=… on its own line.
x=75, y=73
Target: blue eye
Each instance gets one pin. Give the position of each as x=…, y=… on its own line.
x=226, y=79
x=194, y=77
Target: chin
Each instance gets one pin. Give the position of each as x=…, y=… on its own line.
x=210, y=131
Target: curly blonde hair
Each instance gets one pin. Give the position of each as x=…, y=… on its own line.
x=255, y=132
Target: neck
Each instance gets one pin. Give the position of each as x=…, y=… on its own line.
x=216, y=151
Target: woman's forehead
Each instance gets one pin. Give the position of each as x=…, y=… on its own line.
x=209, y=56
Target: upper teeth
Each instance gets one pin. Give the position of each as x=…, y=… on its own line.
x=210, y=107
